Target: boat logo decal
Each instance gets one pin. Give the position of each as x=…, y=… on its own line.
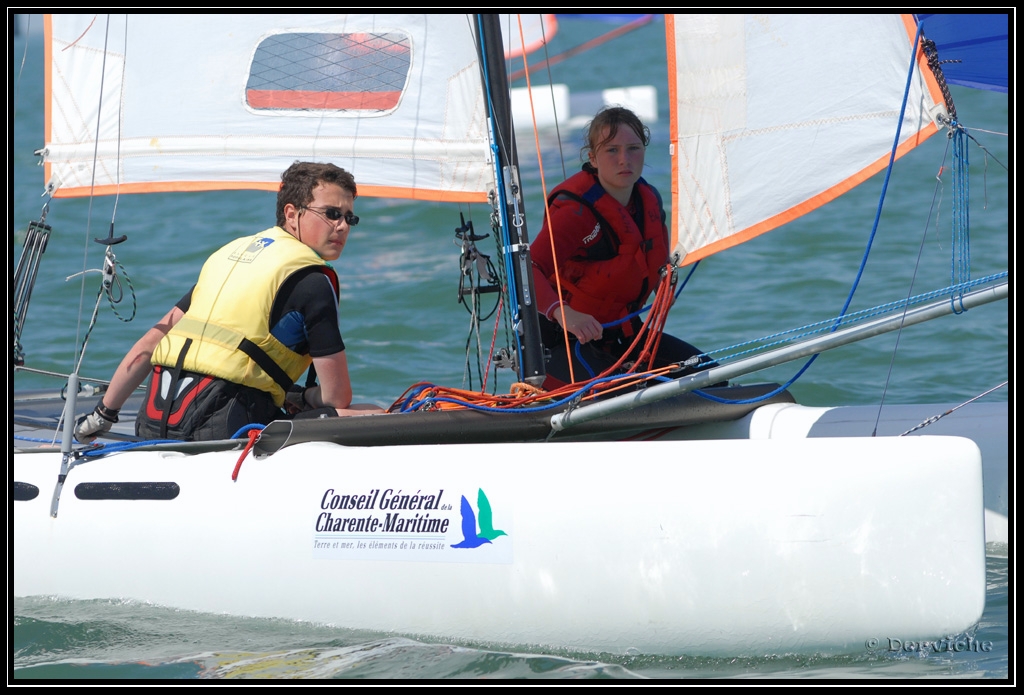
x=412, y=524
x=470, y=537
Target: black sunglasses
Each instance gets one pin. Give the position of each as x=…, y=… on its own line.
x=334, y=214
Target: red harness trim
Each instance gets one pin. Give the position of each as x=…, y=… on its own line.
x=156, y=413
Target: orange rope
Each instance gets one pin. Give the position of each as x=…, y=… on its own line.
x=645, y=343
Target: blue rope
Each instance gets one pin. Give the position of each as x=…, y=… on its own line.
x=881, y=202
x=244, y=431
x=826, y=325
x=850, y=319
x=961, y=243
x=104, y=449
x=33, y=439
x=761, y=344
x=100, y=449
x=878, y=212
x=888, y=171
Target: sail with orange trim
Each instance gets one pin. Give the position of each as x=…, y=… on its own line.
x=151, y=103
x=773, y=116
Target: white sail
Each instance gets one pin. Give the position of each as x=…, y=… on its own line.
x=141, y=103
x=775, y=115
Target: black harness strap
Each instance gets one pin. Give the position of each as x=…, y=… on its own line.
x=256, y=353
x=175, y=376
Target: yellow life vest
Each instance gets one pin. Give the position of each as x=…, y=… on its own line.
x=228, y=321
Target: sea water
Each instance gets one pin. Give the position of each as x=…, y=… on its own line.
x=402, y=324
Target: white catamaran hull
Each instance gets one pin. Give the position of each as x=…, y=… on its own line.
x=713, y=547
x=986, y=424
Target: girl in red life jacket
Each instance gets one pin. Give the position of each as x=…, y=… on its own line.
x=611, y=243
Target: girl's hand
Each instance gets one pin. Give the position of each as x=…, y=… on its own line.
x=584, y=326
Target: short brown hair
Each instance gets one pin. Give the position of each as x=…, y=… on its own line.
x=612, y=117
x=299, y=180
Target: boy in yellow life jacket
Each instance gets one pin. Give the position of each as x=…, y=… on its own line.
x=265, y=309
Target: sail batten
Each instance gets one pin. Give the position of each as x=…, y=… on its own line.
x=773, y=116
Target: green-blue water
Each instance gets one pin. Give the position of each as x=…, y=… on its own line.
x=402, y=324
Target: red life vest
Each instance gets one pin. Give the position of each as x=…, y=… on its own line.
x=622, y=267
